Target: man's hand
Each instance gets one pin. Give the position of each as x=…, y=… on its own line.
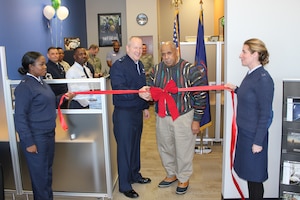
x=146, y=114
x=145, y=93
x=195, y=127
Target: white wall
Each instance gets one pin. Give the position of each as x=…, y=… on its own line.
x=188, y=16
x=133, y=8
x=277, y=24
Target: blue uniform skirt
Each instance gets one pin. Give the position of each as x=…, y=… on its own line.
x=249, y=166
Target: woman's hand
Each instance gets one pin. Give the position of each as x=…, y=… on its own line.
x=256, y=148
x=70, y=95
x=32, y=149
x=230, y=86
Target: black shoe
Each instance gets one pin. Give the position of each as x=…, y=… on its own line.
x=131, y=194
x=143, y=180
x=180, y=190
x=182, y=187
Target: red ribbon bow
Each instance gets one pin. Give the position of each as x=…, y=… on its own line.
x=163, y=97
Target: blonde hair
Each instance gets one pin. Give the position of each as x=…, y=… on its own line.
x=256, y=45
x=94, y=46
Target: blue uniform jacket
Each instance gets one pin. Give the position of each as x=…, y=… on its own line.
x=34, y=109
x=124, y=76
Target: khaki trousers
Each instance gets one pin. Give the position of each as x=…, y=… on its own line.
x=176, y=145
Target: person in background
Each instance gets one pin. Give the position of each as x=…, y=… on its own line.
x=35, y=122
x=94, y=60
x=78, y=70
x=56, y=71
x=127, y=73
x=89, y=65
x=62, y=62
x=114, y=55
x=254, y=117
x=176, y=139
x=147, y=60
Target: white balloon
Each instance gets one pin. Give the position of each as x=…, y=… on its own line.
x=49, y=12
x=62, y=12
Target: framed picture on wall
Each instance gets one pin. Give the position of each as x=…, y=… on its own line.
x=109, y=29
x=71, y=43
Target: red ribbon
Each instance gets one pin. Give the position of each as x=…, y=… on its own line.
x=232, y=146
x=61, y=117
x=164, y=98
x=161, y=95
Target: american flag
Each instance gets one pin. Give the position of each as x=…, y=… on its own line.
x=200, y=60
x=176, y=31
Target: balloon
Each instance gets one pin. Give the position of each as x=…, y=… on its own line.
x=49, y=12
x=62, y=12
x=56, y=4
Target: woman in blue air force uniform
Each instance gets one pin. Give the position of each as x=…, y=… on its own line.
x=254, y=117
x=35, y=115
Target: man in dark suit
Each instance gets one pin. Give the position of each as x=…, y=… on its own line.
x=56, y=71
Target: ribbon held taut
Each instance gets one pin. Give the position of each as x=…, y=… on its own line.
x=164, y=99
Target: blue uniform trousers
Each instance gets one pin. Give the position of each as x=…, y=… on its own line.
x=40, y=165
x=128, y=124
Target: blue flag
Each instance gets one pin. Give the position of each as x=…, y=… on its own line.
x=200, y=60
x=176, y=31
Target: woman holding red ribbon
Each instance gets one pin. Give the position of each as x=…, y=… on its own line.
x=254, y=117
x=35, y=116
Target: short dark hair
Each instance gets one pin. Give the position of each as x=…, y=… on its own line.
x=50, y=48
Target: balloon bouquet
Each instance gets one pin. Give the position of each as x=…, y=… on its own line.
x=62, y=12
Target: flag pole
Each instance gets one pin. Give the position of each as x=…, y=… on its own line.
x=201, y=10
x=176, y=3
x=200, y=61
x=176, y=31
